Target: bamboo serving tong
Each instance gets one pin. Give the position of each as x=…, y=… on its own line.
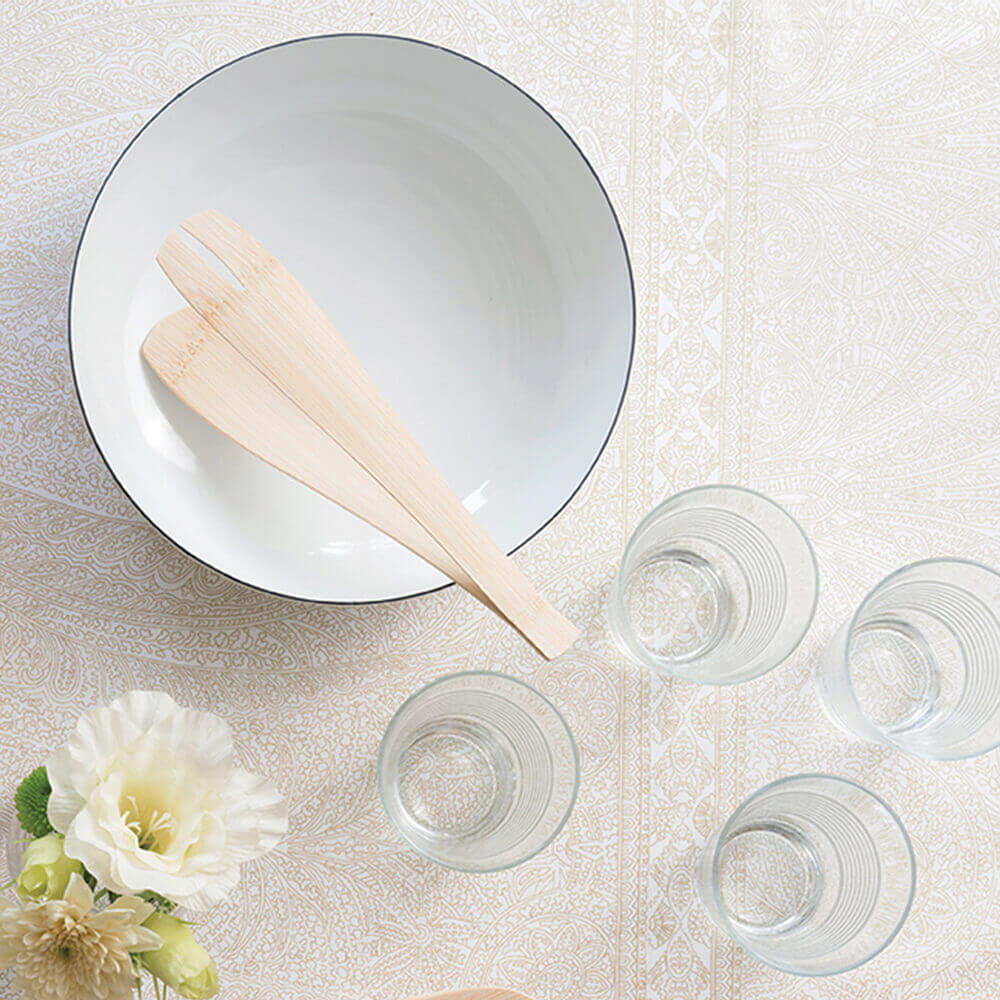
x=263, y=364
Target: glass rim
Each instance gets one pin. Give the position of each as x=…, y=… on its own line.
x=852, y=624
x=394, y=721
x=770, y=501
x=727, y=827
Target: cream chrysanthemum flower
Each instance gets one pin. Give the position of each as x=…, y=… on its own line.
x=149, y=796
x=63, y=950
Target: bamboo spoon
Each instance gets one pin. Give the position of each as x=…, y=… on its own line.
x=193, y=359
x=280, y=330
x=476, y=993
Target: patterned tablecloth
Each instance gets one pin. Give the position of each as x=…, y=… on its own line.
x=811, y=195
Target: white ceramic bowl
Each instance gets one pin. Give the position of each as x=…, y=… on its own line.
x=453, y=232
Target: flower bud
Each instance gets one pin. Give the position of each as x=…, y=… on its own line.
x=46, y=869
x=180, y=961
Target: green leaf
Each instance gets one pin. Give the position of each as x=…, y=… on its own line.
x=162, y=904
x=32, y=803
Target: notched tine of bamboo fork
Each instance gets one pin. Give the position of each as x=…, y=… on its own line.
x=278, y=327
x=231, y=243
x=195, y=361
x=204, y=289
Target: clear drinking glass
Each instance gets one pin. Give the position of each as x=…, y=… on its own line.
x=478, y=771
x=918, y=666
x=812, y=874
x=16, y=839
x=717, y=585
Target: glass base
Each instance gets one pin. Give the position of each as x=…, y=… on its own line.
x=894, y=674
x=769, y=879
x=679, y=606
x=455, y=780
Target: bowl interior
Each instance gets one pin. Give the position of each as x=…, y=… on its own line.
x=453, y=233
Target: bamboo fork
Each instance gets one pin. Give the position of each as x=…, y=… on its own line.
x=274, y=324
x=194, y=359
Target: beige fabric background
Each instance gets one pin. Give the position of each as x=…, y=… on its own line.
x=811, y=195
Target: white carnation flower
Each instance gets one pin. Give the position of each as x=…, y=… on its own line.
x=148, y=797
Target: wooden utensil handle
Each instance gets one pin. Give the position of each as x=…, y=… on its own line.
x=358, y=416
